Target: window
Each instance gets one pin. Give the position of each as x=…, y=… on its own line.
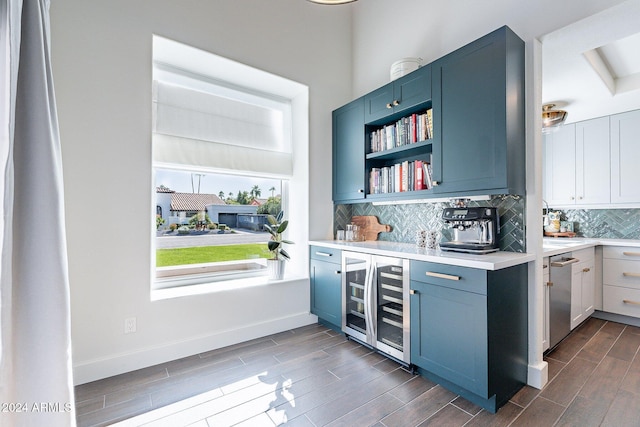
x=212, y=230
x=223, y=159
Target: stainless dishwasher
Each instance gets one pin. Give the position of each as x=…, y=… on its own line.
x=560, y=297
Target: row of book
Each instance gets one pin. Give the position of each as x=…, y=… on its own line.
x=406, y=176
x=407, y=130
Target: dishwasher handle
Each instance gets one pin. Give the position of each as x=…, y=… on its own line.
x=564, y=262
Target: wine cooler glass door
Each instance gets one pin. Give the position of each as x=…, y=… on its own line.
x=356, y=290
x=392, y=308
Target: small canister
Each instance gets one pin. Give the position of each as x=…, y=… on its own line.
x=421, y=238
x=431, y=239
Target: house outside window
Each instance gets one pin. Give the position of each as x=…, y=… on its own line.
x=223, y=160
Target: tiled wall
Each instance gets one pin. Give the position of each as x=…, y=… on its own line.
x=605, y=223
x=406, y=220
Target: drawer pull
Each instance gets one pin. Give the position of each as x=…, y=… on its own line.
x=323, y=253
x=628, y=301
x=586, y=270
x=442, y=276
x=338, y=272
x=549, y=284
x=413, y=292
x=564, y=262
x=631, y=253
x=631, y=274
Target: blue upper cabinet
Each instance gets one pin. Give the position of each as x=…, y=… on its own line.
x=398, y=97
x=348, y=152
x=451, y=128
x=478, y=113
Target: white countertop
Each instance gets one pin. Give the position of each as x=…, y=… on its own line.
x=493, y=261
x=559, y=245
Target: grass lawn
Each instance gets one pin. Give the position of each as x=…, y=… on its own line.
x=202, y=254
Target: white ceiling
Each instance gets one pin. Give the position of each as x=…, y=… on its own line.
x=592, y=68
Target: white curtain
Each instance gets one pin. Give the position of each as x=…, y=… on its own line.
x=35, y=358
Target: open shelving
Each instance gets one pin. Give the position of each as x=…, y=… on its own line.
x=398, y=158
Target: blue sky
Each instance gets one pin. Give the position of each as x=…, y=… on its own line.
x=213, y=183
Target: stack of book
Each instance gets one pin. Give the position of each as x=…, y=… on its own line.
x=406, y=176
x=407, y=130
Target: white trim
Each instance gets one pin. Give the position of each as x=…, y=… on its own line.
x=533, y=94
x=538, y=375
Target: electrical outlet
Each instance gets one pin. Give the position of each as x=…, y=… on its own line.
x=129, y=325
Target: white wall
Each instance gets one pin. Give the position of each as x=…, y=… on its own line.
x=385, y=31
x=101, y=53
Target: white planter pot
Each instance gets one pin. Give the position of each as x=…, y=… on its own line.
x=275, y=268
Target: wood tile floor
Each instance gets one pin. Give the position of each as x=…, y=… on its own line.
x=312, y=376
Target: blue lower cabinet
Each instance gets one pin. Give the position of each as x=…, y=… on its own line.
x=469, y=330
x=326, y=288
x=452, y=335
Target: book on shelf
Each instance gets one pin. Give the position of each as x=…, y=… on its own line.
x=400, y=177
x=427, y=175
x=407, y=130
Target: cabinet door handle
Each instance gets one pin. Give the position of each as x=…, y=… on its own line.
x=360, y=190
x=442, y=276
x=413, y=292
x=389, y=105
x=323, y=254
x=395, y=103
x=586, y=270
x=549, y=284
x=564, y=262
x=625, y=274
x=435, y=183
x=338, y=272
x=628, y=301
x=631, y=253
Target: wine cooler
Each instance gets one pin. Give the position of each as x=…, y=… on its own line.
x=375, y=303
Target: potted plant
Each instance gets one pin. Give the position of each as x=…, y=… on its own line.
x=275, y=264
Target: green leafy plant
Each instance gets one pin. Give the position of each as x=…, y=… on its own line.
x=276, y=227
x=159, y=221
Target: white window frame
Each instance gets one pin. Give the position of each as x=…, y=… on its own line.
x=254, y=81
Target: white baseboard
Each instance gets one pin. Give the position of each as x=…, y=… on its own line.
x=538, y=375
x=97, y=369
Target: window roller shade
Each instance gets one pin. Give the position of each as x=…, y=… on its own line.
x=203, y=129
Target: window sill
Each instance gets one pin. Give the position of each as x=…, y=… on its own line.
x=220, y=286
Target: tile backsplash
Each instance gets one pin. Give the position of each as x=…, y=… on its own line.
x=406, y=219
x=604, y=223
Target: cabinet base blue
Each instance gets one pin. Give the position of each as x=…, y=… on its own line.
x=329, y=325
x=491, y=404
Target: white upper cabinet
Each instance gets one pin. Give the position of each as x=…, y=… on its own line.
x=559, y=181
x=593, y=173
x=625, y=152
x=576, y=164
